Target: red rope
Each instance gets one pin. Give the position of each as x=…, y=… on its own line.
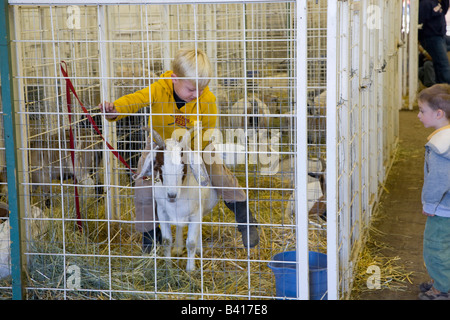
x=72, y=156
x=70, y=88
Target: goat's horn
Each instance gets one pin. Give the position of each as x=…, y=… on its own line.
x=185, y=140
x=159, y=141
x=198, y=169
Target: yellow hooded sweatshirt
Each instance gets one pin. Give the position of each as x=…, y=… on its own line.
x=166, y=117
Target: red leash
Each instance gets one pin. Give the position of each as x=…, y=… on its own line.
x=70, y=88
x=72, y=156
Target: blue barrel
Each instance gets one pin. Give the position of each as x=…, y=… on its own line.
x=283, y=266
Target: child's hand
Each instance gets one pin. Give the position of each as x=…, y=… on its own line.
x=427, y=214
x=109, y=110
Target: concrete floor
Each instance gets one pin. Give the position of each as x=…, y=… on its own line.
x=401, y=221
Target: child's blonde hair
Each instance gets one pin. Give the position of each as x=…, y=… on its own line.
x=437, y=97
x=193, y=64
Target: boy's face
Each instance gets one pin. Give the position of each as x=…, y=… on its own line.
x=185, y=89
x=428, y=116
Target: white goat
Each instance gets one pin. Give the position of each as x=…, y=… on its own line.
x=183, y=192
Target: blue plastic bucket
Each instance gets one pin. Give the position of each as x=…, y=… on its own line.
x=284, y=268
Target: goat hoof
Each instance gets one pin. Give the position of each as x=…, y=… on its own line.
x=99, y=190
x=251, y=238
x=177, y=251
x=190, y=267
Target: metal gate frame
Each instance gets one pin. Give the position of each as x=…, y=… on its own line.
x=341, y=253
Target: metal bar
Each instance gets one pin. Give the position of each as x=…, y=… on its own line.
x=301, y=214
x=332, y=227
x=10, y=151
x=134, y=2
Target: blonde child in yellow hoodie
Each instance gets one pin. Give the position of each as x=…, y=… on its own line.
x=179, y=99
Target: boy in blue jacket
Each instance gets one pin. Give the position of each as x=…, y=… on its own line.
x=434, y=112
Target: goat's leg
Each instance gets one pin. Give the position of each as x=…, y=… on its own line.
x=178, y=248
x=198, y=247
x=191, y=244
x=166, y=235
x=43, y=176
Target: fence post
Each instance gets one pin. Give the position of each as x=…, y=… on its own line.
x=301, y=180
x=10, y=150
x=331, y=153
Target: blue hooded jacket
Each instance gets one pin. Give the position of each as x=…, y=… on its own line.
x=436, y=186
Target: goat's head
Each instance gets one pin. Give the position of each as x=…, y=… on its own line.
x=169, y=160
x=173, y=169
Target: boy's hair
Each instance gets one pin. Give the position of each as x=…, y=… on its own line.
x=437, y=97
x=193, y=64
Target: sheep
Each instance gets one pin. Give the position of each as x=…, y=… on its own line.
x=253, y=106
x=273, y=102
x=316, y=186
x=134, y=71
x=181, y=193
x=5, y=251
x=316, y=119
x=275, y=90
x=316, y=201
x=37, y=227
x=46, y=165
x=315, y=123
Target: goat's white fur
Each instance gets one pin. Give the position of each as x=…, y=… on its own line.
x=181, y=202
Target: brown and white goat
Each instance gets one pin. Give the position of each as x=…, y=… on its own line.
x=183, y=192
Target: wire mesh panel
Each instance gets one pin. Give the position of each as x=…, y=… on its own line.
x=84, y=236
x=367, y=132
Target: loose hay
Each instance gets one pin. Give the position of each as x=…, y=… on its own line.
x=112, y=266
x=392, y=275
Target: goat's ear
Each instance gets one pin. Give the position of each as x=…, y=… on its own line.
x=198, y=169
x=186, y=137
x=158, y=140
x=147, y=167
